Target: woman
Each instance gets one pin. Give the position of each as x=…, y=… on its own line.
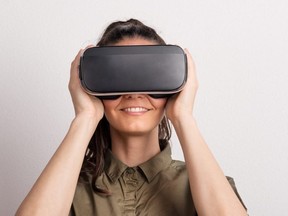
x=127, y=168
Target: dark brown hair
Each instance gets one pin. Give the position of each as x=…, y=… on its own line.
x=94, y=160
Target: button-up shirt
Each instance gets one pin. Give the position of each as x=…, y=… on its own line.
x=159, y=187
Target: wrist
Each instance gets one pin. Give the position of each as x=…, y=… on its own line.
x=182, y=117
x=90, y=121
x=88, y=116
x=183, y=122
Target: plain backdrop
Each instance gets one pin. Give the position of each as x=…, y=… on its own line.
x=241, y=51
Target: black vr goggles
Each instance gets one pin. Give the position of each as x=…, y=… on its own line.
x=111, y=71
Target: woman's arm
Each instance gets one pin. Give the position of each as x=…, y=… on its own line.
x=53, y=192
x=211, y=192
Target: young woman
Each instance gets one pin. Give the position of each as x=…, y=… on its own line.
x=127, y=167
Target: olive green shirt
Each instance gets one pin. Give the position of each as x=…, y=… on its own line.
x=159, y=187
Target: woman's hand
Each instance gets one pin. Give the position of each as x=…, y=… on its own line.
x=182, y=104
x=83, y=103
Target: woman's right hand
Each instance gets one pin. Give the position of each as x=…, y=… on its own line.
x=84, y=104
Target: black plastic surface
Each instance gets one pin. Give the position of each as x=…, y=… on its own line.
x=118, y=70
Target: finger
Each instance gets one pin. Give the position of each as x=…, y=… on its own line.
x=192, y=77
x=76, y=61
x=74, y=82
x=75, y=64
x=74, y=72
x=89, y=46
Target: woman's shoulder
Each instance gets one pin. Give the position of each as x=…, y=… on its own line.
x=176, y=171
x=178, y=165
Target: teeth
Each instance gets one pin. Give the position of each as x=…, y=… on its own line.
x=135, y=109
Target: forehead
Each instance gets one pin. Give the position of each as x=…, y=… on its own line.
x=135, y=41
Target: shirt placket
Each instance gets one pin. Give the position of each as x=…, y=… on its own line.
x=131, y=182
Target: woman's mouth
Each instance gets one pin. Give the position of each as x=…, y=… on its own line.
x=135, y=109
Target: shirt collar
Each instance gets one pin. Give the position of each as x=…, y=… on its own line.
x=114, y=167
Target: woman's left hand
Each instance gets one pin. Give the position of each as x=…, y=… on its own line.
x=182, y=103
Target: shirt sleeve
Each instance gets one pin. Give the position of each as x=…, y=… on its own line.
x=233, y=185
x=71, y=213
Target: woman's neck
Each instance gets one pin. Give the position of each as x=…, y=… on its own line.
x=133, y=150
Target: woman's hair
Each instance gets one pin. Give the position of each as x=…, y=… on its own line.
x=131, y=28
x=100, y=142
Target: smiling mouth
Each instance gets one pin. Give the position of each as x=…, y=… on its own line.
x=135, y=109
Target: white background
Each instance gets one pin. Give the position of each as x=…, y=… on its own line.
x=241, y=51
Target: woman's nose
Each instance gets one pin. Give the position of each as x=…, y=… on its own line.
x=133, y=96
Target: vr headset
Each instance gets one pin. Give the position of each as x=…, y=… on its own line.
x=111, y=71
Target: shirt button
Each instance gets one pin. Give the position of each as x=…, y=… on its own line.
x=130, y=170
